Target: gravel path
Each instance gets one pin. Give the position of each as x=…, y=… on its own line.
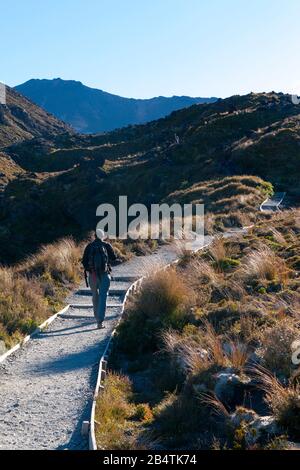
x=46, y=388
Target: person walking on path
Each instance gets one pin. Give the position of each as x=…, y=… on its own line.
x=96, y=262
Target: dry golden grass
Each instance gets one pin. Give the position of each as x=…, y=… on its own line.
x=33, y=290
x=118, y=421
x=163, y=301
x=60, y=260
x=185, y=352
x=238, y=355
x=213, y=402
x=163, y=292
x=235, y=355
x=218, y=250
x=264, y=264
x=199, y=271
x=194, y=355
x=22, y=305
x=213, y=342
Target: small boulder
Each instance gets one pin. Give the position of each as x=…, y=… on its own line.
x=256, y=428
x=230, y=387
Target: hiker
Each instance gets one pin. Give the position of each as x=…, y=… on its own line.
x=96, y=262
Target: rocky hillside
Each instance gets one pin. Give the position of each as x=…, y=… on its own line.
x=90, y=110
x=228, y=156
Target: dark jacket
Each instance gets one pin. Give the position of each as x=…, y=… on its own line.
x=109, y=249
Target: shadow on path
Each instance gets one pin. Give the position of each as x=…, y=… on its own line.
x=81, y=359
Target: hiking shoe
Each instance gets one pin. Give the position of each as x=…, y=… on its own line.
x=100, y=326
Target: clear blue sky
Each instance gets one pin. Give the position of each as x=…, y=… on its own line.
x=144, y=48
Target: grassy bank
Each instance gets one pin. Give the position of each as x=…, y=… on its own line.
x=35, y=289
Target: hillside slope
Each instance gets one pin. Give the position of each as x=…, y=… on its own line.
x=228, y=156
x=21, y=120
x=90, y=110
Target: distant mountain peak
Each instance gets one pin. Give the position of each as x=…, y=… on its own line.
x=91, y=110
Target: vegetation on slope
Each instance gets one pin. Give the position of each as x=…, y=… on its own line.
x=35, y=289
x=229, y=155
x=209, y=354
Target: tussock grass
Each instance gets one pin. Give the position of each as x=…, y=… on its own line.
x=59, y=260
x=200, y=271
x=22, y=305
x=263, y=264
x=32, y=291
x=238, y=355
x=163, y=301
x=185, y=351
x=213, y=402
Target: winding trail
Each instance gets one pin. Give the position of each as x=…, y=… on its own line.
x=46, y=387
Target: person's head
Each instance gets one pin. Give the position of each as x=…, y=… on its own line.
x=100, y=234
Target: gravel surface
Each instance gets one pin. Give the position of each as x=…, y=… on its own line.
x=46, y=387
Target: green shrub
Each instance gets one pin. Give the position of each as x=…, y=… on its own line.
x=143, y=412
x=228, y=263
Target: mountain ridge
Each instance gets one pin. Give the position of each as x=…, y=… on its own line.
x=91, y=110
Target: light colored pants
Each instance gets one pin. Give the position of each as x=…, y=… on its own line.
x=99, y=287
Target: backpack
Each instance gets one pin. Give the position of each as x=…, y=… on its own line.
x=98, y=258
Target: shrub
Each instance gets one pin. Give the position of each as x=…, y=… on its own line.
x=143, y=412
x=176, y=417
x=224, y=315
x=228, y=263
